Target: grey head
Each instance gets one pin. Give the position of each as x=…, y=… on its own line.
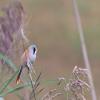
x=33, y=47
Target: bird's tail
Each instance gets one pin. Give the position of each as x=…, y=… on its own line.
x=19, y=74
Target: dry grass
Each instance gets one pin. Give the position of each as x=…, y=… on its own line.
x=53, y=28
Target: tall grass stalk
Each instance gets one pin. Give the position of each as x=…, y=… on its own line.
x=84, y=50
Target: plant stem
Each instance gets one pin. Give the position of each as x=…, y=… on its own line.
x=84, y=51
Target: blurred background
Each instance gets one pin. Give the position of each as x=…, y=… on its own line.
x=51, y=25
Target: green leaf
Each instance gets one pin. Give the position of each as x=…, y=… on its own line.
x=17, y=94
x=13, y=90
x=6, y=83
x=8, y=61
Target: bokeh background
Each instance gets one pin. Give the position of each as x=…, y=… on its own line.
x=51, y=25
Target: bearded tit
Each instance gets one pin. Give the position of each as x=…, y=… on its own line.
x=28, y=58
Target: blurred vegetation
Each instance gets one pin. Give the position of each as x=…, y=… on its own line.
x=51, y=25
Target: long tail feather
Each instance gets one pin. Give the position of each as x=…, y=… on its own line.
x=19, y=74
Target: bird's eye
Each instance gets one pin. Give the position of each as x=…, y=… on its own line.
x=34, y=50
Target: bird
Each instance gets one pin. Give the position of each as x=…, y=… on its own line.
x=28, y=58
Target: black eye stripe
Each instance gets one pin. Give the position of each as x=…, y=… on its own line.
x=34, y=49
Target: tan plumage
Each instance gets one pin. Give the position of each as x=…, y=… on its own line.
x=28, y=59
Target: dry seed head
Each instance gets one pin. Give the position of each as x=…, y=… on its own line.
x=75, y=86
x=61, y=79
x=79, y=72
x=51, y=95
